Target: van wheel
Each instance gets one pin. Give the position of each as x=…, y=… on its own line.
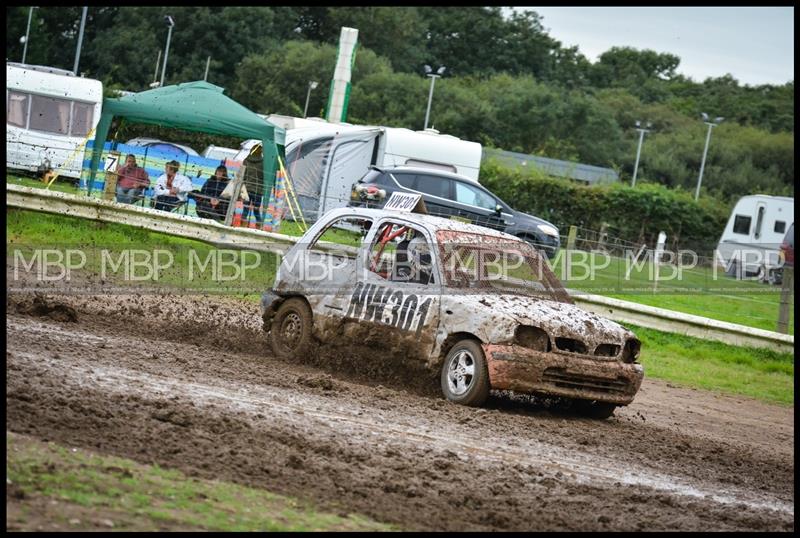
x=465, y=377
x=290, y=334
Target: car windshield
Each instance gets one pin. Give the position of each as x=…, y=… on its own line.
x=494, y=264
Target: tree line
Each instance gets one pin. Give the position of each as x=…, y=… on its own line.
x=508, y=84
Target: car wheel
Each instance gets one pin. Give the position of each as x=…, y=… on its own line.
x=290, y=334
x=465, y=378
x=594, y=409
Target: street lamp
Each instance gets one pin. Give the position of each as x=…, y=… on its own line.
x=311, y=86
x=711, y=125
x=429, y=72
x=639, y=151
x=170, y=24
x=27, y=35
x=80, y=42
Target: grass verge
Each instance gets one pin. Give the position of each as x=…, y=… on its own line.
x=759, y=373
x=93, y=490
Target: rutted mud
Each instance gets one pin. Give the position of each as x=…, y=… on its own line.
x=189, y=382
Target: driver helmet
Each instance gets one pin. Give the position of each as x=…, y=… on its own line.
x=419, y=255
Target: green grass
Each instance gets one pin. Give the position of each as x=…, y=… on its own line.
x=192, y=264
x=59, y=185
x=704, y=364
x=698, y=291
x=148, y=497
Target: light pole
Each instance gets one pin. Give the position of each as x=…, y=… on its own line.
x=311, y=86
x=170, y=24
x=429, y=72
x=639, y=151
x=711, y=125
x=80, y=42
x=27, y=35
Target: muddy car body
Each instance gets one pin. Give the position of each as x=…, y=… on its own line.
x=480, y=305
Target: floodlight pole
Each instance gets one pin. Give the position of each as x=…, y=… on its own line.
x=208, y=63
x=433, y=76
x=311, y=85
x=27, y=35
x=80, y=41
x=638, y=153
x=703, y=163
x=170, y=24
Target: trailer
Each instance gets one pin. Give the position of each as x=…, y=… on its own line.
x=49, y=115
x=750, y=243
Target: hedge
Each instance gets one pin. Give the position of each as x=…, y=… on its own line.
x=635, y=214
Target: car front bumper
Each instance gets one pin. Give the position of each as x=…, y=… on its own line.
x=569, y=375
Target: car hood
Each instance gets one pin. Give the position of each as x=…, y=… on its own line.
x=503, y=313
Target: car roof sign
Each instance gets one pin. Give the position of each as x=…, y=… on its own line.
x=406, y=202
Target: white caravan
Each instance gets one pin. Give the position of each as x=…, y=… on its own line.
x=750, y=244
x=49, y=115
x=324, y=159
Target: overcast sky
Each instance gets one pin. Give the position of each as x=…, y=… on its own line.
x=754, y=44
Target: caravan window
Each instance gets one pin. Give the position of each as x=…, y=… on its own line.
x=82, y=115
x=780, y=227
x=741, y=225
x=17, y=109
x=49, y=114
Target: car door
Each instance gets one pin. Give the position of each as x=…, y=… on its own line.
x=326, y=271
x=396, y=312
x=477, y=205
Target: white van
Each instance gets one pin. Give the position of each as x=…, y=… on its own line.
x=49, y=115
x=750, y=244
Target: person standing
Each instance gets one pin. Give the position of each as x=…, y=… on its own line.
x=254, y=182
x=132, y=182
x=171, y=188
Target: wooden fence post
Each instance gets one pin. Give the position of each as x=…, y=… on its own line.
x=787, y=294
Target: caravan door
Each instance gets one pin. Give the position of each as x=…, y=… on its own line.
x=349, y=160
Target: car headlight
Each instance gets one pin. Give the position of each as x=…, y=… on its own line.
x=547, y=229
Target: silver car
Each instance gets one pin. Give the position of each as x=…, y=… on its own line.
x=480, y=306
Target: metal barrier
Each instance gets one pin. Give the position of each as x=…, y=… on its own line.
x=217, y=234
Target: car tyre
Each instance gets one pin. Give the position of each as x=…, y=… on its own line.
x=465, y=377
x=290, y=333
x=594, y=409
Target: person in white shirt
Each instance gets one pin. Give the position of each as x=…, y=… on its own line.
x=171, y=188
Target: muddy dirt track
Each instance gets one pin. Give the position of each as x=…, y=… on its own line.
x=189, y=382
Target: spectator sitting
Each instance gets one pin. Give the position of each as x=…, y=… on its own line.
x=132, y=182
x=210, y=204
x=171, y=188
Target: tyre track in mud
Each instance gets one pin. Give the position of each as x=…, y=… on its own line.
x=187, y=382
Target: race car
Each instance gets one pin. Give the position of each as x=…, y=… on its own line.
x=480, y=306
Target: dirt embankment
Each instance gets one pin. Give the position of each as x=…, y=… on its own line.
x=189, y=382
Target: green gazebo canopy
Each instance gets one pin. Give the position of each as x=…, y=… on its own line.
x=193, y=106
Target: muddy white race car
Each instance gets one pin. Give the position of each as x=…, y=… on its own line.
x=480, y=305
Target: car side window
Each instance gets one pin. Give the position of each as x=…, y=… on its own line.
x=408, y=181
x=401, y=253
x=467, y=194
x=346, y=231
x=434, y=185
